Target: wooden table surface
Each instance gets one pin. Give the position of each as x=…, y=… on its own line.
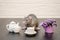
x=4, y=35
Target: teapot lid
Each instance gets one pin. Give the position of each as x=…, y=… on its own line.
x=12, y=22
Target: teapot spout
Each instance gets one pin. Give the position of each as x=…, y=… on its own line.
x=17, y=23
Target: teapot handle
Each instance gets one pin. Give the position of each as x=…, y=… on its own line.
x=7, y=26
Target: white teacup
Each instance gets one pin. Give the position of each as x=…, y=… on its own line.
x=30, y=31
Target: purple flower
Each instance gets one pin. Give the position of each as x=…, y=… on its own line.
x=48, y=21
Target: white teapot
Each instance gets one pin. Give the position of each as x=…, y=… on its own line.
x=13, y=27
x=30, y=31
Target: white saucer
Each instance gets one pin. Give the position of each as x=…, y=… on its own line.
x=30, y=33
